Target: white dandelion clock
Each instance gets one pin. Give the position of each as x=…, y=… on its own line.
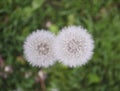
x=38, y=48
x=74, y=46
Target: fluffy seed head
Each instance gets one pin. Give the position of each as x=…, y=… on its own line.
x=38, y=48
x=74, y=46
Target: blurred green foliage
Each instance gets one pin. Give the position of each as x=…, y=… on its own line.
x=18, y=18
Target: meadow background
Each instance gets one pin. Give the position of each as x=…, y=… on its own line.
x=18, y=18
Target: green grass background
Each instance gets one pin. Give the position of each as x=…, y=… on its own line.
x=18, y=18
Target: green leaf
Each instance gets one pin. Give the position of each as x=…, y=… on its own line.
x=54, y=28
x=27, y=12
x=37, y=4
x=93, y=78
x=71, y=19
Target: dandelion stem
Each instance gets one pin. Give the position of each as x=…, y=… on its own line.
x=42, y=84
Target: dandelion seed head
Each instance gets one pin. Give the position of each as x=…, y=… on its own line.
x=38, y=48
x=74, y=46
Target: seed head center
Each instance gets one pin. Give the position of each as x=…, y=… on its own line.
x=74, y=46
x=43, y=48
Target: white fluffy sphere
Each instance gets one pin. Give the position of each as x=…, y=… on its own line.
x=38, y=48
x=74, y=46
